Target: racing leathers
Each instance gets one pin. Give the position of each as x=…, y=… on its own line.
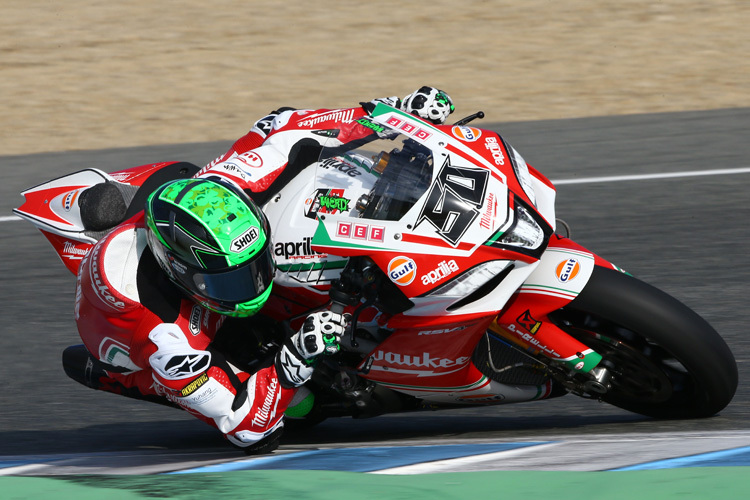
x=151, y=338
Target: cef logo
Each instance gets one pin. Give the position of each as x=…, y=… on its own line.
x=468, y=134
x=567, y=270
x=402, y=270
x=360, y=231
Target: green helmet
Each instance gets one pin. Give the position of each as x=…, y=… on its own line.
x=213, y=242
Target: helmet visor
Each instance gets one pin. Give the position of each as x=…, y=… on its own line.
x=239, y=284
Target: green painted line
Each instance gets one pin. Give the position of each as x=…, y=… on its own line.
x=707, y=482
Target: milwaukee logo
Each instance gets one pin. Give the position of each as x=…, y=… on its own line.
x=70, y=248
x=338, y=115
x=425, y=360
x=100, y=286
x=265, y=412
x=488, y=217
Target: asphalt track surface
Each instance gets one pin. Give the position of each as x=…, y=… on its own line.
x=687, y=234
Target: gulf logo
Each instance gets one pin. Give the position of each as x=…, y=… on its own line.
x=402, y=270
x=469, y=134
x=567, y=270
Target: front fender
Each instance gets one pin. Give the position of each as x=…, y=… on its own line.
x=563, y=272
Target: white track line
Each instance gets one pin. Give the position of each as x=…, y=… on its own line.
x=640, y=177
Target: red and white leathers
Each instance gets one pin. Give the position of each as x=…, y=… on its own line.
x=154, y=339
x=258, y=159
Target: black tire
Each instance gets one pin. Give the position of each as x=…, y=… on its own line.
x=668, y=362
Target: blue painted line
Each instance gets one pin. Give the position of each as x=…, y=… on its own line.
x=15, y=463
x=361, y=459
x=724, y=458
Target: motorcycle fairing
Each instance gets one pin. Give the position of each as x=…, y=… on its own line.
x=418, y=360
x=52, y=207
x=563, y=272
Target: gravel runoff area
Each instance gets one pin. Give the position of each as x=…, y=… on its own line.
x=87, y=74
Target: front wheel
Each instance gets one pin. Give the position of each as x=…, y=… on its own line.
x=667, y=362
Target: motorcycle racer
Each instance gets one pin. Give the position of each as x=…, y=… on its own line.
x=156, y=295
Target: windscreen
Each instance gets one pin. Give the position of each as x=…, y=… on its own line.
x=378, y=177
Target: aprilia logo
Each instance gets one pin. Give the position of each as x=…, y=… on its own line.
x=444, y=269
x=495, y=150
x=296, y=250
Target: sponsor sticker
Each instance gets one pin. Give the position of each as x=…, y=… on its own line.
x=422, y=134
x=325, y=201
x=344, y=167
x=195, y=320
x=408, y=128
x=394, y=122
x=424, y=360
x=177, y=266
x=344, y=230
x=528, y=323
x=402, y=270
x=334, y=204
x=194, y=385
x=69, y=199
x=338, y=115
x=240, y=243
x=468, y=134
x=567, y=270
x=495, y=150
x=367, y=232
x=251, y=159
x=487, y=221
x=100, y=285
x=297, y=249
x=73, y=252
x=444, y=269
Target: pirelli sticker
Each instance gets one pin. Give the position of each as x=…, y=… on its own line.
x=194, y=385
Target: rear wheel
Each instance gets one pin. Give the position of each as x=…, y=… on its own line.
x=666, y=361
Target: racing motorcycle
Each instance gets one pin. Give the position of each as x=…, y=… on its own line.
x=443, y=245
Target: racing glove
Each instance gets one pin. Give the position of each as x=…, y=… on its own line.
x=320, y=334
x=430, y=104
